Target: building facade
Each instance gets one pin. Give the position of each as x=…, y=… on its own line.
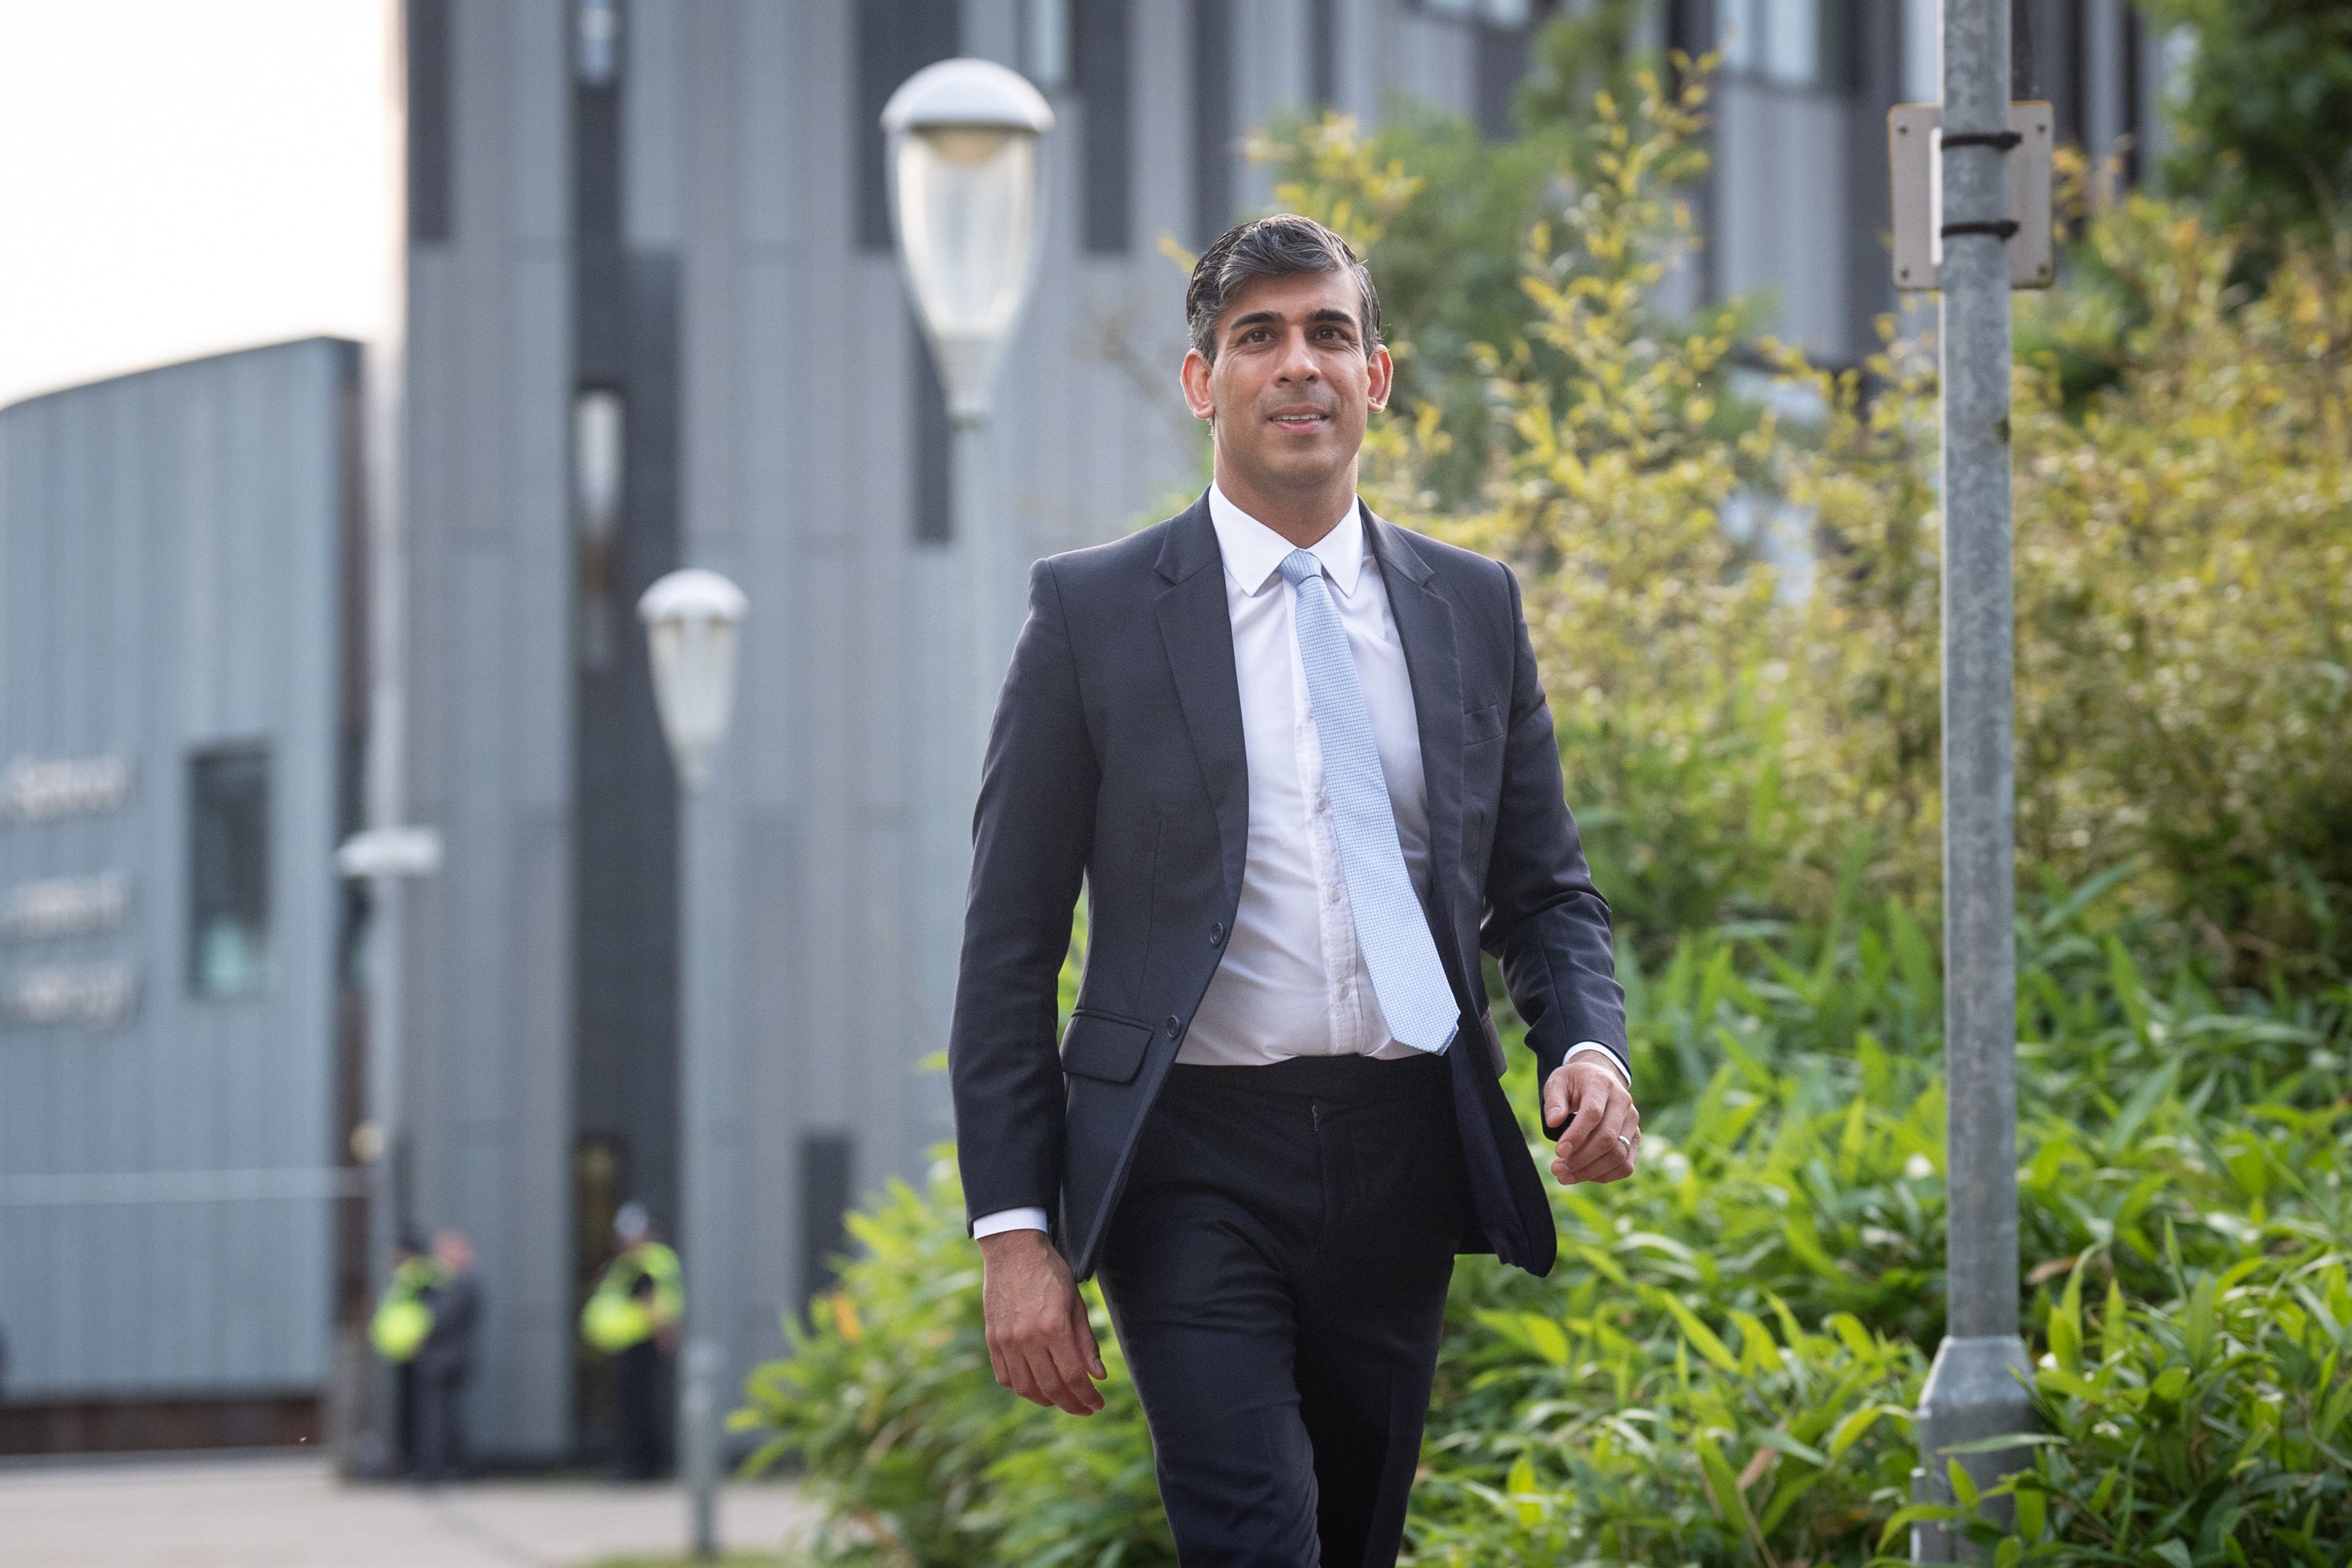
x=178, y=723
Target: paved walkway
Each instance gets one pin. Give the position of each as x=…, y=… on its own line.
x=292, y=1513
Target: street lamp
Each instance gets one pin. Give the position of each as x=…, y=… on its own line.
x=692, y=619
x=964, y=185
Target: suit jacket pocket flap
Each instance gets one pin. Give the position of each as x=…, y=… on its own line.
x=1480, y=725
x=1098, y=1045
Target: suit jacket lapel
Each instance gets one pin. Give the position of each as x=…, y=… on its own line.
x=1198, y=633
x=1425, y=622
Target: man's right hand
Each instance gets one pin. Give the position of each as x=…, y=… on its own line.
x=1039, y=1341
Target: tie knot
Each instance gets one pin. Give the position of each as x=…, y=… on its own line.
x=1299, y=565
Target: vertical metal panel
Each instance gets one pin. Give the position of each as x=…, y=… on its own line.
x=430, y=161
x=1102, y=71
x=487, y=1062
x=1214, y=129
x=894, y=40
x=169, y=558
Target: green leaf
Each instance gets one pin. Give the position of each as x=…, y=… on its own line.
x=1702, y=1338
x=1722, y=1483
x=1851, y=1429
x=1545, y=1334
x=2032, y=1513
x=2066, y=1323
x=2144, y=1100
x=1756, y=1344
x=1520, y=1483
x=1964, y=1485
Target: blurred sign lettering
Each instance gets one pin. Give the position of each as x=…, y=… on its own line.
x=65, y=906
x=100, y=993
x=37, y=789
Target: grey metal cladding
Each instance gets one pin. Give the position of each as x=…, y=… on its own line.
x=1215, y=135
x=431, y=152
x=169, y=566
x=894, y=40
x=1103, y=63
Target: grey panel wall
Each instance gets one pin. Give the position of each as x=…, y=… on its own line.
x=488, y=993
x=169, y=569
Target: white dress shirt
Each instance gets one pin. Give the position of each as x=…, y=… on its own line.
x=1292, y=981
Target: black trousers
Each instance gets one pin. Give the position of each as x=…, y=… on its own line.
x=1276, y=1270
x=643, y=1375
x=403, y=1419
x=440, y=1425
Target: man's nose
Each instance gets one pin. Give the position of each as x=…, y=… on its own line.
x=1296, y=364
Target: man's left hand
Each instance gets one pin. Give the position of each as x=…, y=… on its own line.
x=1603, y=1128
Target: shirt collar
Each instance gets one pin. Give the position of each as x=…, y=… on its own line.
x=1253, y=553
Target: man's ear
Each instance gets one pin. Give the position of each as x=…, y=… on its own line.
x=1382, y=371
x=1195, y=380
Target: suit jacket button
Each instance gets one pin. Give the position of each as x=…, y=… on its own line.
x=1172, y=1026
x=1217, y=934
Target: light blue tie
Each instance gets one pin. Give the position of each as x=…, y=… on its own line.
x=1391, y=930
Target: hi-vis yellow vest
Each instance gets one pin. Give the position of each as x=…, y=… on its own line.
x=402, y=1318
x=615, y=1316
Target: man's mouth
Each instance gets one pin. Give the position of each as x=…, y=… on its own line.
x=1301, y=418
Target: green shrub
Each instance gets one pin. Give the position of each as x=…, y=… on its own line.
x=1723, y=1363
x=2183, y=530
x=2206, y=1432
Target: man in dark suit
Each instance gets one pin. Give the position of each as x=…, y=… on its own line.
x=1301, y=761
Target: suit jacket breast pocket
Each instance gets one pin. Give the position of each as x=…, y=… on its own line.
x=1098, y=1045
x=1480, y=725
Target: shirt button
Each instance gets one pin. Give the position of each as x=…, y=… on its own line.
x=1217, y=934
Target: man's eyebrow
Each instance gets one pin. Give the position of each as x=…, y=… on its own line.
x=1274, y=317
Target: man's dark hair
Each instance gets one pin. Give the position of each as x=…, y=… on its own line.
x=1277, y=247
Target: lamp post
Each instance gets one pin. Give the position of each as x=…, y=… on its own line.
x=692, y=618
x=1977, y=1389
x=964, y=138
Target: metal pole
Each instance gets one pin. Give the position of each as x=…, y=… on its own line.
x=713, y=1125
x=1975, y=1389
x=383, y=376
x=976, y=525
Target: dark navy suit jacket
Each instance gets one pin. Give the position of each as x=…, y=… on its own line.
x=1116, y=761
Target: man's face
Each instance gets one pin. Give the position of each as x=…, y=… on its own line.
x=1291, y=386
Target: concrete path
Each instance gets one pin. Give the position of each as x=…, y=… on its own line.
x=292, y=1513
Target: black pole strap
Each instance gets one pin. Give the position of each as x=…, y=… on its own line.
x=2001, y=140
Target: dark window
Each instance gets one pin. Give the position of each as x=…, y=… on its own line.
x=934, y=474
x=895, y=39
x=1323, y=52
x=827, y=1162
x=430, y=199
x=1102, y=81
x=1213, y=118
x=228, y=871
x=1690, y=26
x=1500, y=59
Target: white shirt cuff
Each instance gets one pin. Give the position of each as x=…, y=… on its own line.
x=1009, y=1219
x=1573, y=1052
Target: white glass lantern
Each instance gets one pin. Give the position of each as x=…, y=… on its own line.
x=691, y=621
x=964, y=172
